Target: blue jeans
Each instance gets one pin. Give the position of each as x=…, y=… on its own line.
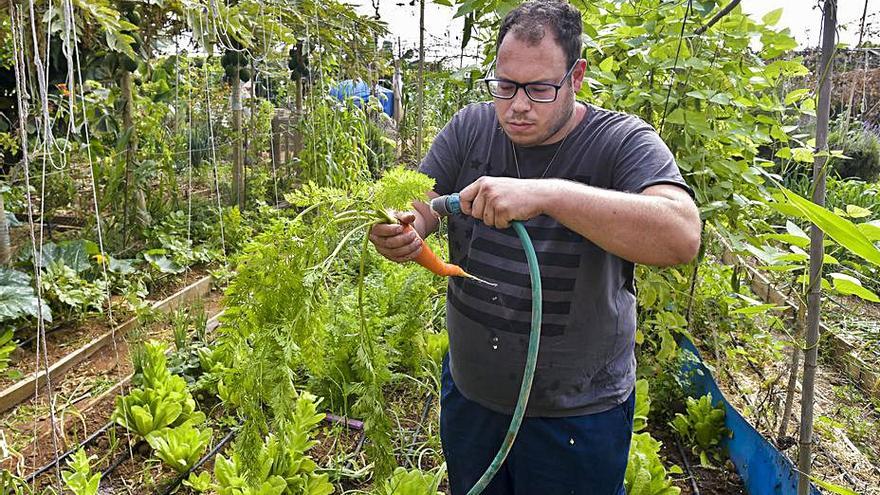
x=572, y=455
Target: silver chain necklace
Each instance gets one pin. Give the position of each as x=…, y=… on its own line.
x=516, y=160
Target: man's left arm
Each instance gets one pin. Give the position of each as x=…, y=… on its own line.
x=659, y=226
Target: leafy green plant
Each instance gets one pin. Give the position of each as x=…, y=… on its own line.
x=79, y=478
x=7, y=346
x=319, y=259
x=145, y=411
x=17, y=297
x=702, y=428
x=180, y=447
x=12, y=484
x=643, y=405
x=230, y=482
x=412, y=482
x=63, y=286
x=163, y=401
x=281, y=464
x=200, y=483
x=645, y=472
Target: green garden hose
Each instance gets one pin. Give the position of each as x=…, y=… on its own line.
x=446, y=205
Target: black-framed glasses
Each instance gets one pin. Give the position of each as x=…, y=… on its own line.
x=539, y=92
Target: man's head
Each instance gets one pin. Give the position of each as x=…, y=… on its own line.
x=539, y=42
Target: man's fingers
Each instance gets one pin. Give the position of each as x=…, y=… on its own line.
x=478, y=207
x=468, y=195
x=403, y=253
x=489, y=216
x=386, y=230
x=398, y=241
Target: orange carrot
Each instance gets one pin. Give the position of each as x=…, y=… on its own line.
x=434, y=264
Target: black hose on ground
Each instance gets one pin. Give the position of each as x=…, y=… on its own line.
x=91, y=438
x=170, y=487
x=126, y=455
x=687, y=467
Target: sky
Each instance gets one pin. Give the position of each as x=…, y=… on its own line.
x=443, y=33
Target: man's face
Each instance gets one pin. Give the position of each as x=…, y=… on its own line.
x=526, y=122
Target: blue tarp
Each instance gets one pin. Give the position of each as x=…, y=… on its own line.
x=764, y=470
x=360, y=91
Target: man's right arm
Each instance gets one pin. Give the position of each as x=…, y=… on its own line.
x=397, y=244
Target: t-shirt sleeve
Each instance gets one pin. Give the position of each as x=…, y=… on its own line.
x=644, y=160
x=445, y=156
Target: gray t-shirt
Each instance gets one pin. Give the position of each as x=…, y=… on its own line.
x=586, y=362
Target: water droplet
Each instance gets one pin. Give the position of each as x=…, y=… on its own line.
x=571, y=441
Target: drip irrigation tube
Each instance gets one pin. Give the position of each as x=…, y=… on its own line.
x=91, y=438
x=126, y=455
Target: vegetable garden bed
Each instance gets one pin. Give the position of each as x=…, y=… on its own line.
x=95, y=375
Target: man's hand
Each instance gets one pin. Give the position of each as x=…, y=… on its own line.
x=393, y=242
x=499, y=200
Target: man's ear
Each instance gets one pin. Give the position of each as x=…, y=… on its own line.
x=577, y=75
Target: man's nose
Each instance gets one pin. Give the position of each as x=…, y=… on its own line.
x=521, y=102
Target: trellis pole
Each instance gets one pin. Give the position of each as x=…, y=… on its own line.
x=421, y=90
x=817, y=251
x=237, y=162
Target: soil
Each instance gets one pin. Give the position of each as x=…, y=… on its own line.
x=722, y=480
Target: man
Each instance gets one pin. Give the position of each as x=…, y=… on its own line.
x=598, y=191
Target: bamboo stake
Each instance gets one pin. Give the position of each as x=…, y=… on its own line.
x=421, y=92
x=817, y=251
x=237, y=165
x=793, y=374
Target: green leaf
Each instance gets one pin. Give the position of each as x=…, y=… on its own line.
x=161, y=262
x=200, y=483
x=772, y=17
x=796, y=95
x=17, y=298
x=848, y=285
x=180, y=447
x=871, y=230
x=855, y=211
x=840, y=229
x=607, y=65
x=803, y=155
x=73, y=254
x=840, y=490
x=121, y=266
x=643, y=405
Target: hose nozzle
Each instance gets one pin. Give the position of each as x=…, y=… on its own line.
x=445, y=206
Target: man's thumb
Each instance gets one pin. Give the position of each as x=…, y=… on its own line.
x=406, y=217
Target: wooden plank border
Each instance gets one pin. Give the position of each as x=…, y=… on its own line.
x=22, y=390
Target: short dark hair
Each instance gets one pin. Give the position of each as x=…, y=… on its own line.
x=530, y=20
